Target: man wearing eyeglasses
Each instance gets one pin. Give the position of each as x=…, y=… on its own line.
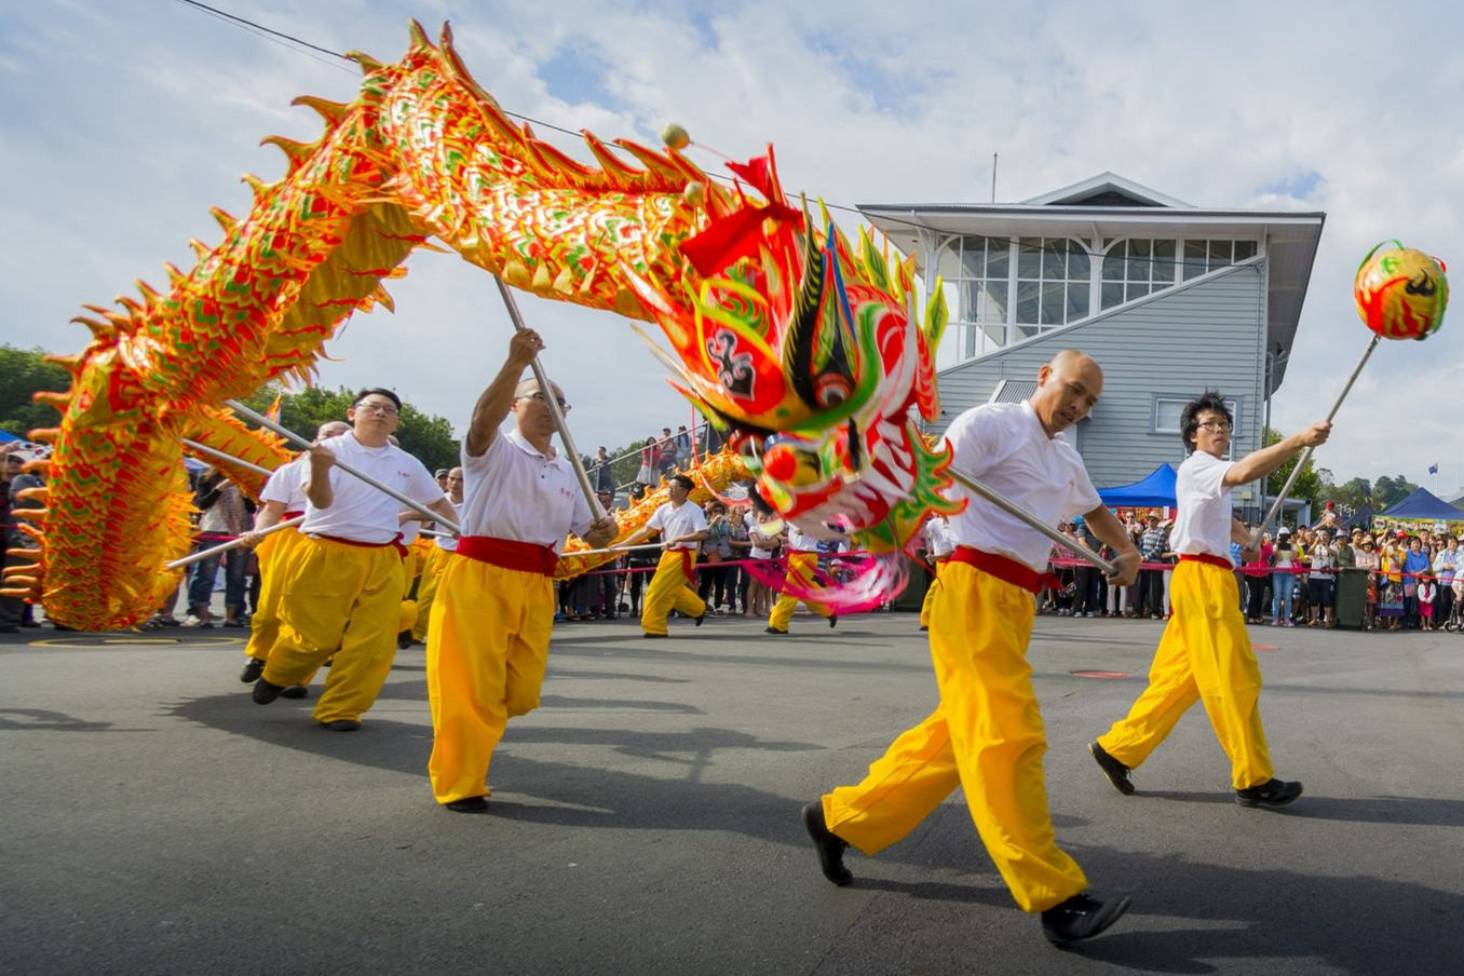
x=488, y=635
x=1205, y=653
x=342, y=587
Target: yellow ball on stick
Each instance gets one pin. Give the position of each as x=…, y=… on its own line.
x=1401, y=293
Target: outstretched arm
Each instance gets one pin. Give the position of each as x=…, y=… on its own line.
x=1267, y=459
x=494, y=403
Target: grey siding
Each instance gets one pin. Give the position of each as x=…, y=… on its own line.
x=1207, y=335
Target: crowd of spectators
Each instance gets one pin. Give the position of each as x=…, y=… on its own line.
x=1414, y=579
x=1410, y=580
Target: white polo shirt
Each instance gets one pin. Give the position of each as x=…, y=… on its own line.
x=358, y=511
x=287, y=484
x=513, y=492
x=1004, y=446
x=449, y=542
x=1203, y=508
x=676, y=522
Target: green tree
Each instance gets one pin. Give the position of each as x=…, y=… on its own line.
x=1389, y=491
x=1355, y=494
x=24, y=372
x=1309, y=484
x=427, y=438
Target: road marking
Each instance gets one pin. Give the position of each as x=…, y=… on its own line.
x=1101, y=675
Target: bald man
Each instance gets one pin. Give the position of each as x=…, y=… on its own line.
x=488, y=638
x=986, y=735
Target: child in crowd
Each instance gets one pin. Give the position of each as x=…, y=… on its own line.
x=1428, y=592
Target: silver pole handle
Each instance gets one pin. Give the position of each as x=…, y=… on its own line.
x=558, y=415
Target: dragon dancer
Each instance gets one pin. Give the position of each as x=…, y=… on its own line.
x=802, y=564
x=986, y=735
x=283, y=496
x=342, y=585
x=682, y=525
x=488, y=639
x=1205, y=653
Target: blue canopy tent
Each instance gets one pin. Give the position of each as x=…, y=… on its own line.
x=1424, y=504
x=1155, y=491
x=6, y=437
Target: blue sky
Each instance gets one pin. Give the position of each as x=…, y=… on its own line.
x=123, y=122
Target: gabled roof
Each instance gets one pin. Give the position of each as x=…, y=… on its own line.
x=1107, y=189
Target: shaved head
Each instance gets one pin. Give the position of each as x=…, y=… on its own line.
x=332, y=428
x=1068, y=387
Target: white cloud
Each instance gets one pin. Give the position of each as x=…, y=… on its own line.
x=117, y=158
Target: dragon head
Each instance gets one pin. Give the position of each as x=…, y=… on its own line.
x=803, y=347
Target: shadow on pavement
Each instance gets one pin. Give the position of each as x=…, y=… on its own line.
x=44, y=720
x=1416, y=810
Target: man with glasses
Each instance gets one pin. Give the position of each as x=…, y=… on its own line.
x=1205, y=652
x=342, y=586
x=488, y=636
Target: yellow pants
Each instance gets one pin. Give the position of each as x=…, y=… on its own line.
x=264, y=627
x=1205, y=654
x=930, y=593
x=487, y=647
x=801, y=566
x=986, y=736
x=432, y=567
x=339, y=600
x=669, y=590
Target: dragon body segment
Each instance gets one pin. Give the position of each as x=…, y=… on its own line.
x=803, y=347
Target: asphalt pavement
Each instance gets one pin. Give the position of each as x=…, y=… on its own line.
x=646, y=818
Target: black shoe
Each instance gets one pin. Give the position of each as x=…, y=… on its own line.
x=828, y=845
x=468, y=804
x=773, y=630
x=833, y=622
x=924, y=628
x=235, y=623
x=404, y=640
x=253, y=668
x=1274, y=793
x=699, y=620
x=1117, y=772
x=295, y=691
x=264, y=692
x=342, y=725
x=655, y=636
x=1081, y=917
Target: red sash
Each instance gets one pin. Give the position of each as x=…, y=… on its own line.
x=1205, y=557
x=394, y=543
x=687, y=569
x=1005, y=569
x=289, y=515
x=524, y=557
